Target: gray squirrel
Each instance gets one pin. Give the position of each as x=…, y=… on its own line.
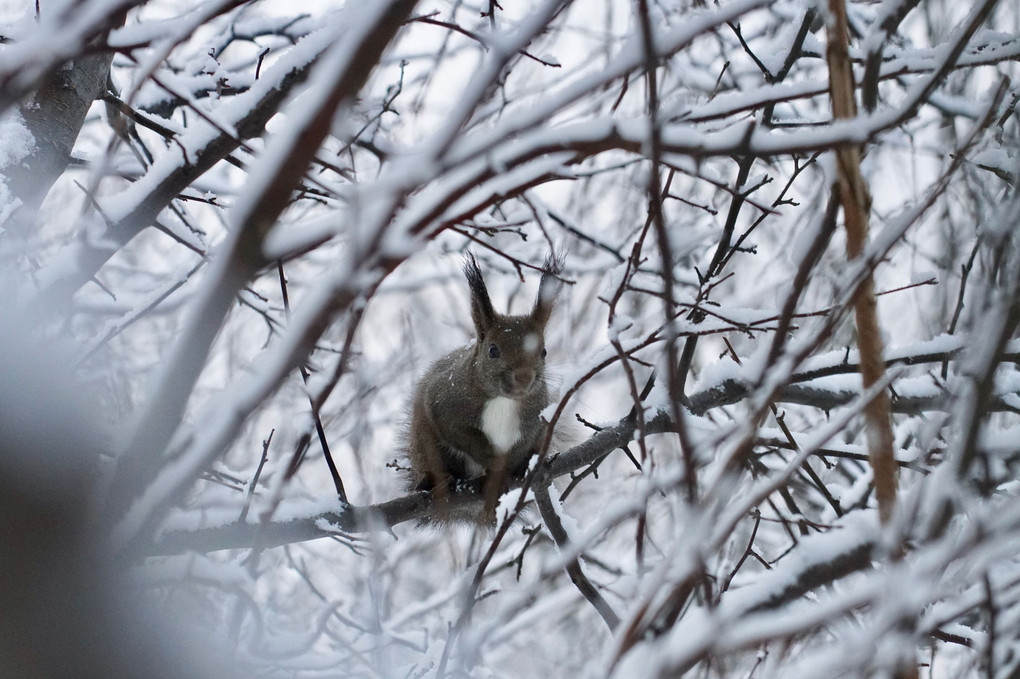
x=476, y=410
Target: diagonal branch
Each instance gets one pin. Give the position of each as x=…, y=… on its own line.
x=584, y=585
x=346, y=67
x=201, y=148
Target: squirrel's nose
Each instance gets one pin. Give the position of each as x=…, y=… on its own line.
x=523, y=378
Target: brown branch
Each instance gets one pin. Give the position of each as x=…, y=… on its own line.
x=674, y=378
x=856, y=202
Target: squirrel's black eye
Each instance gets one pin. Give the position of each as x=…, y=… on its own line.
x=493, y=351
x=543, y=352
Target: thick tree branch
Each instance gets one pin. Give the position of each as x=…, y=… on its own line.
x=383, y=516
x=28, y=63
x=54, y=115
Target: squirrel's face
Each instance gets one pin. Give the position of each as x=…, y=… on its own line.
x=510, y=351
x=510, y=357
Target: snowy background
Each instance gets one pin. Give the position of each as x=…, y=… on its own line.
x=231, y=239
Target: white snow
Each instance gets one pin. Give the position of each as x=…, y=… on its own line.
x=16, y=143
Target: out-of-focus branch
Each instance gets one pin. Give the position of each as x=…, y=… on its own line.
x=29, y=62
x=350, y=66
x=201, y=150
x=54, y=114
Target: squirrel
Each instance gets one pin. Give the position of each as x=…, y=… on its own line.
x=475, y=411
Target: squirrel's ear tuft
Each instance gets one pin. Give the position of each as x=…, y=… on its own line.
x=548, y=289
x=482, y=313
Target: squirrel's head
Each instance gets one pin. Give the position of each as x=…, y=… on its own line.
x=510, y=350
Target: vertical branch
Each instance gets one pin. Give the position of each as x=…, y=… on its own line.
x=856, y=202
x=890, y=15
x=724, y=250
x=673, y=378
x=989, y=659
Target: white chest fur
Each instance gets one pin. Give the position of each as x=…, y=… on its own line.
x=501, y=422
